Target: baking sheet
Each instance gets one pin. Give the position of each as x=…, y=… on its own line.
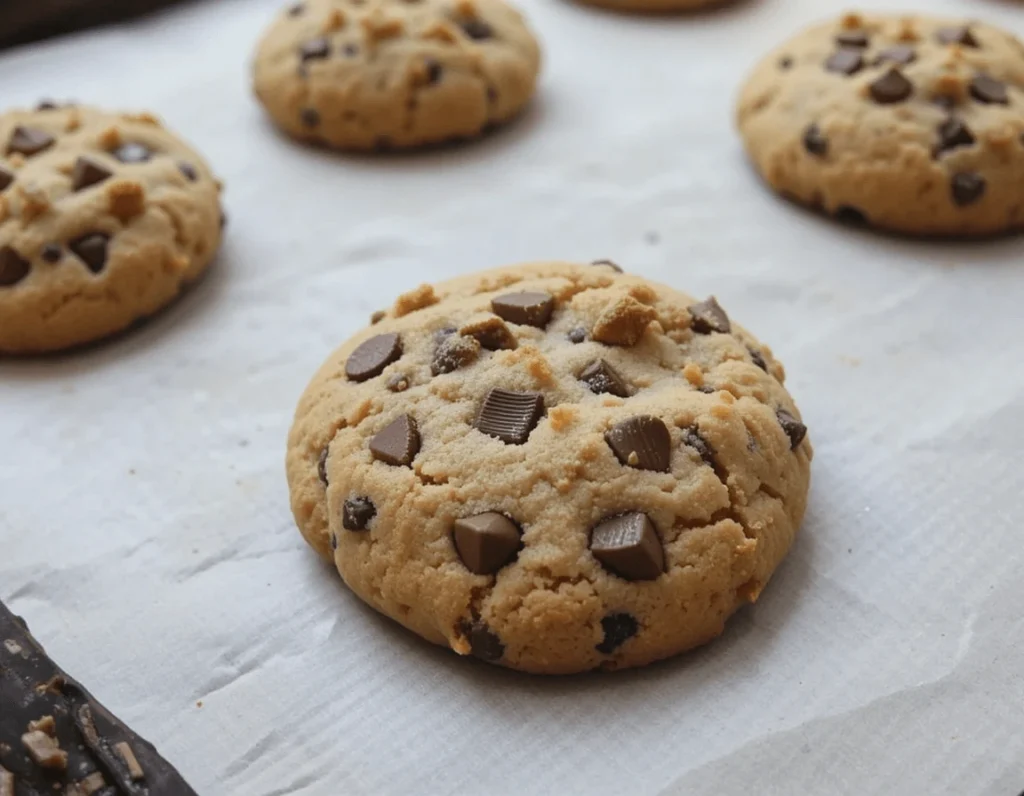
x=144, y=518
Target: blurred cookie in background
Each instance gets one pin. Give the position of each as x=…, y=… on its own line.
x=104, y=217
x=395, y=74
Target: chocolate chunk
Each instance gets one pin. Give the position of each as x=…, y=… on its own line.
x=846, y=62
x=476, y=29
x=628, y=545
x=6, y=178
x=900, y=54
x=91, y=250
x=52, y=253
x=601, y=377
x=297, y=10
x=133, y=153
x=708, y=317
x=609, y=264
x=953, y=133
x=310, y=117
x=55, y=738
x=618, y=629
x=795, y=430
x=758, y=359
x=334, y=542
x=372, y=356
x=853, y=38
x=398, y=443
x=29, y=141
x=785, y=62
x=510, y=416
x=967, y=188
x=453, y=353
x=577, y=335
x=492, y=334
x=891, y=87
x=989, y=90
x=397, y=382
x=642, y=442
x=356, y=513
x=47, y=105
x=960, y=35
x=693, y=439
x=486, y=542
x=87, y=172
x=315, y=49
x=528, y=309
x=848, y=214
x=483, y=642
x=321, y=466
x=434, y=70
x=188, y=170
x=13, y=267
x=815, y=141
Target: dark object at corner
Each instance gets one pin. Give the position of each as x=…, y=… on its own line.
x=22, y=21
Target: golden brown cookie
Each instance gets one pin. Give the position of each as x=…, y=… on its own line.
x=104, y=217
x=377, y=74
x=554, y=467
x=909, y=123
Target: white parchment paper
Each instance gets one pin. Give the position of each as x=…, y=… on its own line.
x=144, y=522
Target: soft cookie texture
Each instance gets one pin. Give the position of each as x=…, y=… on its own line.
x=657, y=5
x=377, y=74
x=554, y=467
x=909, y=123
x=103, y=218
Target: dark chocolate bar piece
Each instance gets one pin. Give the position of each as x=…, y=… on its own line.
x=55, y=738
x=24, y=20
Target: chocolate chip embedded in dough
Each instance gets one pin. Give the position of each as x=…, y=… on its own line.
x=758, y=359
x=853, y=38
x=642, y=442
x=51, y=253
x=988, y=90
x=890, y=88
x=530, y=308
x=356, y=513
x=815, y=141
x=486, y=542
x=692, y=439
x=967, y=188
x=601, y=377
x=483, y=642
x=398, y=443
x=372, y=356
x=628, y=545
x=961, y=35
x=315, y=49
x=454, y=352
x=190, y=172
x=87, y=172
x=13, y=267
x=846, y=62
x=476, y=29
x=795, y=430
x=309, y=117
x=321, y=466
x=6, y=178
x=901, y=54
x=92, y=250
x=510, y=416
x=708, y=316
x=954, y=133
x=618, y=629
x=29, y=141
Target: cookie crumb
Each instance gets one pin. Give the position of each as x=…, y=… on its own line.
x=418, y=299
x=693, y=374
x=562, y=417
x=623, y=322
x=34, y=203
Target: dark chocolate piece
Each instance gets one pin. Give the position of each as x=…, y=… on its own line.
x=54, y=735
x=960, y=35
x=315, y=49
x=989, y=91
x=188, y=170
x=13, y=267
x=967, y=188
x=901, y=54
x=454, y=352
x=483, y=642
x=846, y=62
x=628, y=545
x=601, y=377
x=693, y=439
x=321, y=465
x=398, y=443
x=486, y=542
x=795, y=430
x=528, y=309
x=510, y=416
x=372, y=356
x=91, y=250
x=815, y=141
x=953, y=133
x=29, y=141
x=357, y=513
x=642, y=442
x=88, y=172
x=853, y=38
x=618, y=629
x=476, y=29
x=708, y=317
x=6, y=178
x=51, y=253
x=891, y=87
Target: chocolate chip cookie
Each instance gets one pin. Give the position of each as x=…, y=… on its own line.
x=103, y=218
x=377, y=74
x=657, y=5
x=554, y=467
x=909, y=123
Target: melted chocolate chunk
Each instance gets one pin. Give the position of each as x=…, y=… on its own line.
x=483, y=642
x=618, y=629
x=356, y=513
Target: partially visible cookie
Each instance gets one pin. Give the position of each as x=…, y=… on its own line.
x=909, y=123
x=657, y=5
x=377, y=74
x=103, y=218
x=554, y=467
